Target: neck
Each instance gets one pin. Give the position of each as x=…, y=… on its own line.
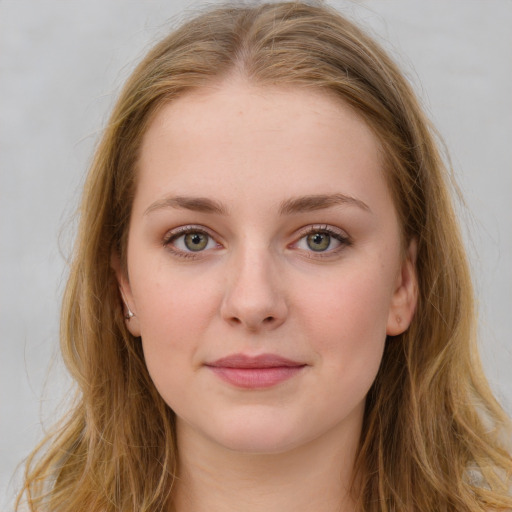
x=315, y=476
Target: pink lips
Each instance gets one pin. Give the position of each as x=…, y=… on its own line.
x=261, y=371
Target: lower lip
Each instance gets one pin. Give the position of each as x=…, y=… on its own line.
x=256, y=378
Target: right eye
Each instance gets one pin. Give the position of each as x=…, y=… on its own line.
x=190, y=240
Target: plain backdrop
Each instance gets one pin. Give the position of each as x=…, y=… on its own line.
x=61, y=67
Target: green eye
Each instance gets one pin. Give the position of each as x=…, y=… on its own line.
x=187, y=240
x=195, y=241
x=318, y=241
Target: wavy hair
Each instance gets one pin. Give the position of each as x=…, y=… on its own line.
x=432, y=437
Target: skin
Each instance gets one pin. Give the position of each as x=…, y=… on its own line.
x=258, y=288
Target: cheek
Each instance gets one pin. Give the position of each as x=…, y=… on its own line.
x=346, y=326
x=352, y=303
x=169, y=299
x=174, y=309
x=174, y=312
x=173, y=324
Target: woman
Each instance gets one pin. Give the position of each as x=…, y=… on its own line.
x=269, y=306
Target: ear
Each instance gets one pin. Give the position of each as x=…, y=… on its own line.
x=405, y=295
x=125, y=292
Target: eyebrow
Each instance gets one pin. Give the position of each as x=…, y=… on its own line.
x=288, y=207
x=319, y=202
x=196, y=204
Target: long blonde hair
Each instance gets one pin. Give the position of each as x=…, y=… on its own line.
x=431, y=433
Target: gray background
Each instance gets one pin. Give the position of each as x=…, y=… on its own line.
x=61, y=66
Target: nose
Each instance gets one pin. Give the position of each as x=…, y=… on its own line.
x=254, y=296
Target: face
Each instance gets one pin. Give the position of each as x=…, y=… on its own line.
x=265, y=268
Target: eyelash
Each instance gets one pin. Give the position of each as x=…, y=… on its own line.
x=336, y=234
x=182, y=231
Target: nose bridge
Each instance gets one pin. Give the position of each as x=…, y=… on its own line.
x=254, y=296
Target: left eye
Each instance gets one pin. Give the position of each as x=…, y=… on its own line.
x=320, y=241
x=193, y=241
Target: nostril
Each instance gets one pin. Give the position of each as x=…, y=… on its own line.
x=268, y=320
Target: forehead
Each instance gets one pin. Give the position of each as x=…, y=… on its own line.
x=238, y=138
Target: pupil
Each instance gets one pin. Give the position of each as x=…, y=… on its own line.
x=319, y=241
x=196, y=241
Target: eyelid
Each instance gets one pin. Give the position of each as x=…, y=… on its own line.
x=337, y=233
x=333, y=231
x=187, y=228
x=180, y=231
x=324, y=228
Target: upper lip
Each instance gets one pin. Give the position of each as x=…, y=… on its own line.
x=260, y=361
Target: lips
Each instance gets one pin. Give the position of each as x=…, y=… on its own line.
x=252, y=372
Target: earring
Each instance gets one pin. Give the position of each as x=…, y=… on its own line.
x=398, y=319
x=129, y=313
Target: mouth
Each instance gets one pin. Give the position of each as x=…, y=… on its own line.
x=255, y=372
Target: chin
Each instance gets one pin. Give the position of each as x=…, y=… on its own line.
x=254, y=435
x=259, y=444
